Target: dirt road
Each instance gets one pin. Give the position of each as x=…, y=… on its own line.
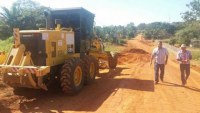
x=127, y=89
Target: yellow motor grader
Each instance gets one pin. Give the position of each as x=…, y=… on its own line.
x=2, y=57
x=65, y=51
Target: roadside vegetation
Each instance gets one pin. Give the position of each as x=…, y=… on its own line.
x=113, y=47
x=28, y=14
x=6, y=44
x=196, y=56
x=195, y=53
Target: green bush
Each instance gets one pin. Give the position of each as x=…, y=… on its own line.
x=109, y=40
x=121, y=41
x=196, y=55
x=172, y=41
x=5, y=45
x=184, y=40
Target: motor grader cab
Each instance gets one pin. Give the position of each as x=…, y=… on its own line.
x=64, y=51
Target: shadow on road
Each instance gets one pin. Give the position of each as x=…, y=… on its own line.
x=177, y=85
x=112, y=73
x=192, y=88
x=89, y=99
x=171, y=84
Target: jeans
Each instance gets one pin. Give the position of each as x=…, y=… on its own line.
x=185, y=72
x=158, y=67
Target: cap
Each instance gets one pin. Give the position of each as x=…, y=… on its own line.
x=183, y=45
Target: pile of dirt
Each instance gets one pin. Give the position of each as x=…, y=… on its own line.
x=2, y=85
x=133, y=56
x=138, y=51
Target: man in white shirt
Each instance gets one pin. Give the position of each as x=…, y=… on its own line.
x=160, y=56
x=184, y=56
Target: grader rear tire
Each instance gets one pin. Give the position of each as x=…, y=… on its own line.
x=72, y=76
x=112, y=60
x=90, y=69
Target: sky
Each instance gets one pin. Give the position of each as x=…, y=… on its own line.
x=122, y=12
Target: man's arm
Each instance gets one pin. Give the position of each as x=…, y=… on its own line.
x=190, y=56
x=152, y=56
x=166, y=59
x=151, y=59
x=178, y=57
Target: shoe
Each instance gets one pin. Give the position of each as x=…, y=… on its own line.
x=183, y=84
x=161, y=79
x=156, y=82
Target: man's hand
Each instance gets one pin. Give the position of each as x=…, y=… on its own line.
x=185, y=61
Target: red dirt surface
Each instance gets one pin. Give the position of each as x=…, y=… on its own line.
x=127, y=89
x=133, y=55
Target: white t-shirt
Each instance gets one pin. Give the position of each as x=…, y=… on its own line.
x=160, y=55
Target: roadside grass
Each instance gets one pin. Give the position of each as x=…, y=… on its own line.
x=5, y=45
x=116, y=47
x=113, y=47
x=195, y=55
x=122, y=41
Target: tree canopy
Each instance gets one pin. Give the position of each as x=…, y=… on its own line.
x=190, y=28
x=193, y=13
x=24, y=14
x=112, y=33
x=156, y=30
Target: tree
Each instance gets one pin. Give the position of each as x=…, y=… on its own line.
x=190, y=28
x=156, y=30
x=194, y=11
x=99, y=31
x=113, y=33
x=191, y=31
x=4, y=33
x=178, y=25
x=24, y=14
x=131, y=30
x=141, y=26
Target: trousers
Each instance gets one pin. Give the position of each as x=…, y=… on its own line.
x=185, y=72
x=158, y=67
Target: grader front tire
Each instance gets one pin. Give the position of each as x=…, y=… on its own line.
x=72, y=76
x=112, y=60
x=90, y=69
